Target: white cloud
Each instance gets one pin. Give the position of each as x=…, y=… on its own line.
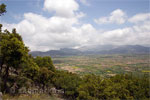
x=135, y=35
x=118, y=16
x=80, y=15
x=65, y=30
x=139, y=18
x=59, y=32
x=85, y=2
x=41, y=33
x=63, y=8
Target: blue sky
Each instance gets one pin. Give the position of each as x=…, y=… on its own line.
x=95, y=9
x=99, y=20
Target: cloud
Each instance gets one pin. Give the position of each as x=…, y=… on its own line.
x=117, y=16
x=59, y=32
x=63, y=8
x=41, y=33
x=139, y=18
x=80, y=15
x=64, y=29
x=135, y=35
x=85, y=2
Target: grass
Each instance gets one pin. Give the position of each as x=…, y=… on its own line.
x=31, y=97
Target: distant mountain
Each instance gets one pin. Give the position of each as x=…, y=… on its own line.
x=100, y=49
x=97, y=48
x=57, y=53
x=70, y=51
x=127, y=49
x=135, y=49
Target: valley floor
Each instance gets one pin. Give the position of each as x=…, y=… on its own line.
x=104, y=65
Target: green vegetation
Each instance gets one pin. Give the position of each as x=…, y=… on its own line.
x=2, y=9
x=124, y=87
x=68, y=82
x=20, y=71
x=17, y=64
x=104, y=65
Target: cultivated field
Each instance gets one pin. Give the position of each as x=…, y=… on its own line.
x=105, y=65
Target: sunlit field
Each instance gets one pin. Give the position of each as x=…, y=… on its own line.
x=105, y=65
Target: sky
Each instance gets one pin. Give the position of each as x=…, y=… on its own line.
x=54, y=24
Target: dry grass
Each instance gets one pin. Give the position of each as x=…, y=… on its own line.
x=31, y=97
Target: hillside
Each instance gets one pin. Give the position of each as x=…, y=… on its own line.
x=100, y=49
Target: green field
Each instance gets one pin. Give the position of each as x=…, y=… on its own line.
x=105, y=65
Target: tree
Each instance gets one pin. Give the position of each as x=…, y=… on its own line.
x=90, y=88
x=30, y=69
x=46, y=71
x=45, y=77
x=13, y=54
x=67, y=81
x=2, y=9
x=45, y=62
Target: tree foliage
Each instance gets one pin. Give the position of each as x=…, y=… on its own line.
x=68, y=82
x=16, y=63
x=13, y=53
x=19, y=69
x=2, y=9
x=119, y=87
x=45, y=62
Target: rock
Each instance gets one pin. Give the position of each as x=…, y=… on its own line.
x=53, y=90
x=0, y=95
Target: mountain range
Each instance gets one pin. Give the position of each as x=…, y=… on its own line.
x=94, y=50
